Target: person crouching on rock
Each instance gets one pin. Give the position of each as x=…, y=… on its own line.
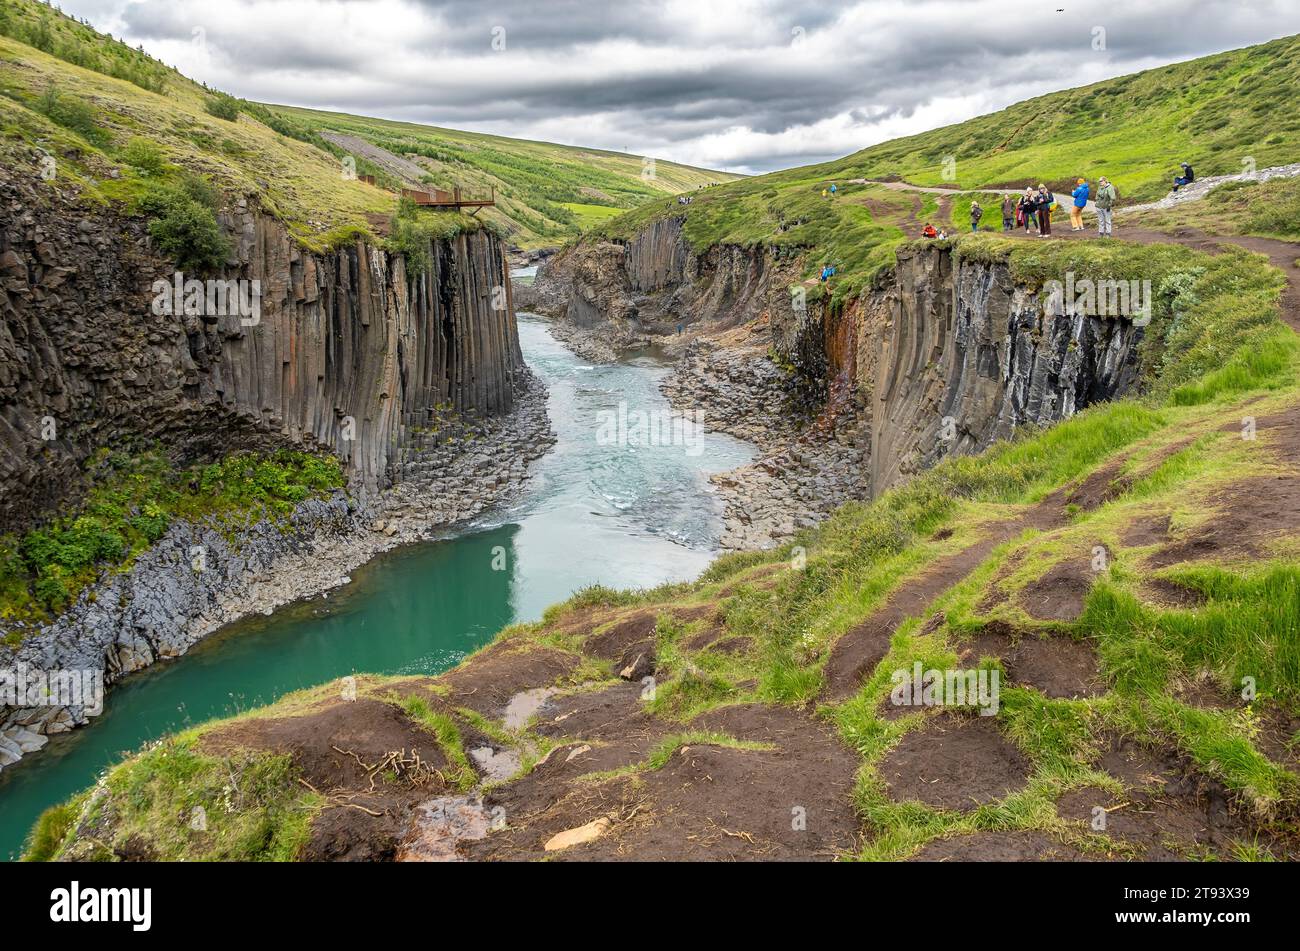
x=929, y=232
x=1186, y=178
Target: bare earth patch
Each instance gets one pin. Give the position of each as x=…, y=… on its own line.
x=1023, y=846
x=954, y=764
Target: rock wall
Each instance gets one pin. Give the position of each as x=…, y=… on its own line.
x=348, y=352
x=942, y=356
x=346, y=345
x=655, y=281
x=954, y=356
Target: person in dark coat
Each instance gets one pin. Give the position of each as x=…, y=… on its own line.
x=1025, y=210
x=1186, y=178
x=1043, y=207
x=1008, y=212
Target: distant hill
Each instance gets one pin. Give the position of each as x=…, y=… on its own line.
x=545, y=192
x=1220, y=113
x=113, y=117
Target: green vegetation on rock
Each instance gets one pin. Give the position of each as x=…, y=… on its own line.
x=132, y=500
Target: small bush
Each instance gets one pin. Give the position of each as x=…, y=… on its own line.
x=184, y=224
x=74, y=114
x=145, y=156
x=223, y=106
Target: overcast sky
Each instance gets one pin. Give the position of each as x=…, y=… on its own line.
x=744, y=85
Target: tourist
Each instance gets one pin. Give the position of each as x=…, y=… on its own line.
x=1025, y=210
x=1080, y=194
x=976, y=213
x=1105, y=203
x=1044, y=202
x=1008, y=213
x=929, y=232
x=1186, y=178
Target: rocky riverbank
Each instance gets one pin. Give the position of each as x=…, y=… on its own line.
x=813, y=453
x=810, y=464
x=199, y=578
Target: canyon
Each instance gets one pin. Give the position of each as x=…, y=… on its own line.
x=414, y=380
x=941, y=355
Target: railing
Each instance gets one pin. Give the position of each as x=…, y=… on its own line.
x=439, y=198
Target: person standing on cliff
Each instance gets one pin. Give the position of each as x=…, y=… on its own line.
x=1025, y=210
x=1044, y=201
x=1008, y=213
x=1105, y=204
x=976, y=213
x=1080, y=195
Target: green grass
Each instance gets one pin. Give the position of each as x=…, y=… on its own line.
x=133, y=499
x=443, y=727
x=588, y=215
x=1269, y=209
x=178, y=804
x=1249, y=627
x=545, y=193
x=87, y=101
x=1212, y=112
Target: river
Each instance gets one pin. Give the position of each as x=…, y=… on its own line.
x=595, y=511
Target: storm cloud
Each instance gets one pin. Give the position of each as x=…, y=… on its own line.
x=746, y=85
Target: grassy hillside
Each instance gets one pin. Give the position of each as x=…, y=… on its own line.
x=1213, y=112
x=545, y=192
x=117, y=123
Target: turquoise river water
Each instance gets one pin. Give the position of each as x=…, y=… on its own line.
x=595, y=511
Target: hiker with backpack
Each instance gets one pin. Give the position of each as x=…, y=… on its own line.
x=1105, y=204
x=976, y=213
x=1080, y=195
x=1044, y=202
x=1008, y=213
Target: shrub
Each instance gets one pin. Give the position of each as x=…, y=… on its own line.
x=223, y=106
x=145, y=156
x=184, y=224
x=80, y=117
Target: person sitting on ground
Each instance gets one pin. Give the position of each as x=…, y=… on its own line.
x=929, y=232
x=1044, y=202
x=1105, y=203
x=976, y=213
x=1008, y=213
x=1080, y=194
x=1186, y=178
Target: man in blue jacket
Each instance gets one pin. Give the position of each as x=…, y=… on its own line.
x=1080, y=194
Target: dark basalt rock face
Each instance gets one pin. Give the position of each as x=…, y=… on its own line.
x=347, y=345
x=946, y=355
x=958, y=357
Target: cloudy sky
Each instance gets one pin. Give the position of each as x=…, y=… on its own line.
x=744, y=85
